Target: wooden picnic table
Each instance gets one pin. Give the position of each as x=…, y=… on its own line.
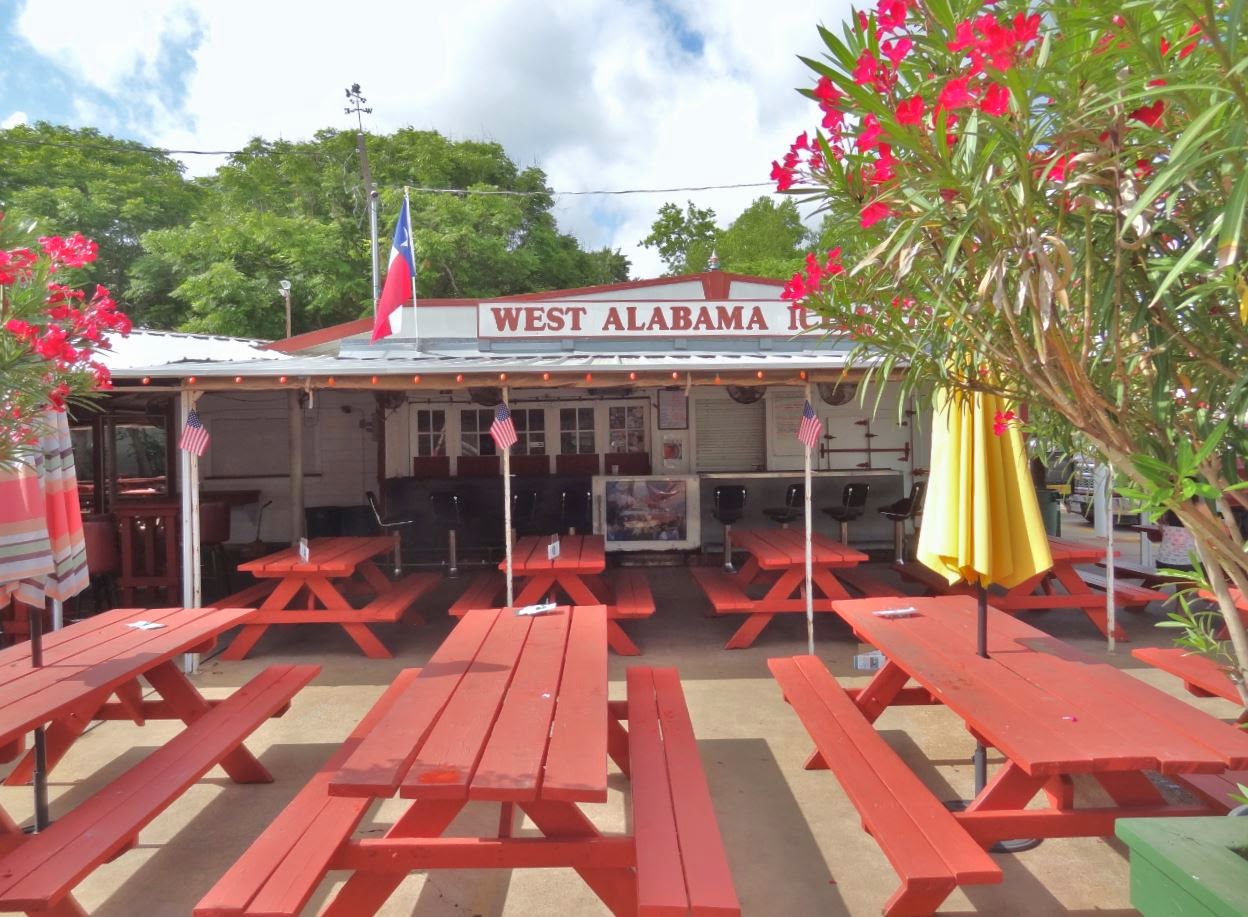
x=91, y=672
x=511, y=709
x=772, y=552
x=1061, y=586
x=294, y=591
x=576, y=576
x=1051, y=709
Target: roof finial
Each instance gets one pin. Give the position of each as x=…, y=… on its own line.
x=713, y=263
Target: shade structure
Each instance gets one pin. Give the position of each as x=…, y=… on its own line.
x=43, y=554
x=981, y=521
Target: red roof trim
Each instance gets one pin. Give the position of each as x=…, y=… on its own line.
x=712, y=283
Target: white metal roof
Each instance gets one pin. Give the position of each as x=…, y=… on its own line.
x=144, y=350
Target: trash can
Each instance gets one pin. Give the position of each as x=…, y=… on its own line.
x=1050, y=510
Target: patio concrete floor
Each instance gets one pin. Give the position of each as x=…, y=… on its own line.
x=793, y=840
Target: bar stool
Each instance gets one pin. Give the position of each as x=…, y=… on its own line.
x=214, y=532
x=574, y=503
x=103, y=562
x=794, y=498
x=445, y=505
x=729, y=507
x=393, y=522
x=523, y=511
x=904, y=509
x=853, y=501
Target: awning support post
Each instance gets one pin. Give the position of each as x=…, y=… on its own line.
x=295, y=416
x=192, y=588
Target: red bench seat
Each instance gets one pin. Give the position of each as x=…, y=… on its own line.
x=39, y=873
x=929, y=850
x=723, y=590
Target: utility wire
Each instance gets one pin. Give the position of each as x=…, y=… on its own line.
x=495, y=192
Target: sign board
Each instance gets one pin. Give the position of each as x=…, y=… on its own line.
x=648, y=513
x=600, y=319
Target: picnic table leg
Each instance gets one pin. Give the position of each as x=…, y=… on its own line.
x=130, y=697
x=278, y=600
x=365, y=892
x=872, y=700
x=919, y=896
x=617, y=744
x=369, y=572
x=1070, y=579
x=60, y=735
x=536, y=589
x=616, y=887
x=367, y=641
x=748, y=632
x=1130, y=788
x=360, y=632
x=189, y=705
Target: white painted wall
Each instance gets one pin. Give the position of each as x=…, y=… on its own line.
x=249, y=431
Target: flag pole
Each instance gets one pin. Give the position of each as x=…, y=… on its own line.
x=507, y=512
x=411, y=240
x=1111, y=610
x=810, y=601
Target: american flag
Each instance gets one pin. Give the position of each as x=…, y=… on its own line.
x=502, y=429
x=810, y=429
x=194, y=435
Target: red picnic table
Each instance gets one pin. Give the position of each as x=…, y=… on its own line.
x=295, y=591
x=1052, y=710
x=1061, y=586
x=574, y=575
x=511, y=709
x=91, y=672
x=783, y=552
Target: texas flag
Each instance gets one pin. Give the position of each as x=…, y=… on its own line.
x=398, y=286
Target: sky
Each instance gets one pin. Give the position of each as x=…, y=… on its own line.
x=599, y=94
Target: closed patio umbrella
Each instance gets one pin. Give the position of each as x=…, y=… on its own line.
x=43, y=552
x=981, y=522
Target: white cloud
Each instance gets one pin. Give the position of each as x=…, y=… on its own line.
x=598, y=94
x=13, y=120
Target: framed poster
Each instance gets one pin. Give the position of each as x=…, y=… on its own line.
x=673, y=409
x=647, y=513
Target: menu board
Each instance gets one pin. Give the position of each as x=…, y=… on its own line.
x=786, y=417
x=673, y=409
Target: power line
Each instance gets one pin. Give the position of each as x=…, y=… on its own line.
x=602, y=192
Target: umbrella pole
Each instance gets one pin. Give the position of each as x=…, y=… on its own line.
x=980, y=758
x=810, y=600
x=40, y=776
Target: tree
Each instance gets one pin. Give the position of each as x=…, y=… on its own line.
x=684, y=238
x=1047, y=200
x=766, y=240
x=69, y=180
x=298, y=211
x=50, y=331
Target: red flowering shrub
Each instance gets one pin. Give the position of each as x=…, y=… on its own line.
x=49, y=333
x=1058, y=190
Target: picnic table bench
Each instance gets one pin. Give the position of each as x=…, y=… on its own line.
x=777, y=564
x=1052, y=711
x=1202, y=677
x=1146, y=575
x=295, y=591
x=85, y=665
x=922, y=840
x=513, y=710
x=575, y=575
x=1062, y=586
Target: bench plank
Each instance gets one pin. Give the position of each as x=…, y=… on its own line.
x=482, y=592
x=1148, y=577
x=707, y=877
x=576, y=760
x=865, y=583
x=247, y=598
x=516, y=747
x=922, y=840
x=722, y=590
x=399, y=597
x=283, y=864
x=43, y=869
x=1125, y=594
x=633, y=598
x=1200, y=674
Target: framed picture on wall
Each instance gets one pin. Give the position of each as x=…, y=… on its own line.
x=673, y=409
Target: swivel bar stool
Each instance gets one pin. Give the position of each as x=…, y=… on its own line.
x=794, y=498
x=445, y=505
x=904, y=509
x=729, y=507
x=853, y=501
x=391, y=522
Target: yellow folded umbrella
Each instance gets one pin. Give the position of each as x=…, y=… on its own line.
x=981, y=521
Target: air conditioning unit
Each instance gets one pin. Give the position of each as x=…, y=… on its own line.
x=837, y=393
x=745, y=394
x=487, y=396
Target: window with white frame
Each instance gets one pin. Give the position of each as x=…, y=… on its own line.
x=474, y=433
x=530, y=426
x=576, y=431
x=626, y=428
x=430, y=432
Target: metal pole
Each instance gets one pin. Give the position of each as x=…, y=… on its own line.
x=294, y=411
x=507, y=513
x=40, y=776
x=810, y=600
x=191, y=586
x=1111, y=610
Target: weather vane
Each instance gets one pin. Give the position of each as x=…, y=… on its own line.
x=356, y=107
